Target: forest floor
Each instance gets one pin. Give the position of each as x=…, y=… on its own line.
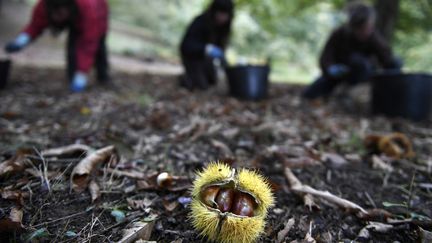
x=156, y=127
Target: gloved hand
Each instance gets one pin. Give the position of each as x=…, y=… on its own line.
x=79, y=82
x=214, y=51
x=18, y=44
x=338, y=70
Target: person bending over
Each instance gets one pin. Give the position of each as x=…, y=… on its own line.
x=87, y=23
x=353, y=53
x=206, y=40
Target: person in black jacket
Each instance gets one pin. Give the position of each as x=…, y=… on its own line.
x=206, y=40
x=352, y=54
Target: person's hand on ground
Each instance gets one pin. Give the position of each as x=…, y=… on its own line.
x=214, y=51
x=18, y=44
x=79, y=82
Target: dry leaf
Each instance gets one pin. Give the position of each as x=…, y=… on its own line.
x=334, y=160
x=396, y=145
x=139, y=204
x=16, y=164
x=17, y=196
x=81, y=172
x=13, y=223
x=67, y=150
x=170, y=206
x=94, y=191
x=378, y=163
x=138, y=231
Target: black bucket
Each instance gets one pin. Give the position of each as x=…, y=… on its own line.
x=5, y=66
x=248, y=82
x=403, y=95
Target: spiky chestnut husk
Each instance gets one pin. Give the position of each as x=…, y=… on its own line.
x=227, y=227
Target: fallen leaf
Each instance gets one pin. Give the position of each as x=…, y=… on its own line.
x=80, y=174
x=334, y=160
x=139, y=204
x=67, y=150
x=17, y=163
x=170, y=206
x=13, y=223
x=138, y=231
x=94, y=191
x=17, y=196
x=378, y=163
x=396, y=145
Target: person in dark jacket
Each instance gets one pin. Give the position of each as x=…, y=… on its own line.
x=353, y=53
x=206, y=40
x=87, y=23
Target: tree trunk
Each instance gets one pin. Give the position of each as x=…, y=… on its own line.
x=387, y=15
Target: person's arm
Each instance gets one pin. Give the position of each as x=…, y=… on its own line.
x=39, y=21
x=193, y=43
x=94, y=21
x=327, y=58
x=384, y=53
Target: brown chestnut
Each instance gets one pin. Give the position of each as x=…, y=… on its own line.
x=208, y=196
x=225, y=199
x=244, y=205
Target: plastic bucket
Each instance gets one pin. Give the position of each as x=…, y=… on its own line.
x=402, y=95
x=248, y=82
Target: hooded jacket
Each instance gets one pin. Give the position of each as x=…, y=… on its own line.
x=91, y=25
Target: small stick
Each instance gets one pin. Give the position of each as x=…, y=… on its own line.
x=60, y=219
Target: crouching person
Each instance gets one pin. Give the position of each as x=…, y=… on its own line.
x=87, y=23
x=206, y=40
x=352, y=54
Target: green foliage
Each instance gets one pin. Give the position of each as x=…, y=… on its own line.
x=291, y=32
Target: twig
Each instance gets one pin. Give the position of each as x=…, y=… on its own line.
x=297, y=187
x=130, y=174
x=308, y=199
x=60, y=219
x=370, y=200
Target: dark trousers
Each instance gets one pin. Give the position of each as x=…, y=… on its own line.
x=101, y=59
x=361, y=69
x=200, y=73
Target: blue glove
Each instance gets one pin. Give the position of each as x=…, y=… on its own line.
x=214, y=51
x=79, y=82
x=338, y=70
x=18, y=44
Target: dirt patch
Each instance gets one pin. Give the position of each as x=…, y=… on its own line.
x=156, y=127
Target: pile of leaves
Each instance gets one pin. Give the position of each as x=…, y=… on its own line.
x=116, y=163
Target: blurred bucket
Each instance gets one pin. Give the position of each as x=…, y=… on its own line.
x=5, y=66
x=249, y=82
x=403, y=95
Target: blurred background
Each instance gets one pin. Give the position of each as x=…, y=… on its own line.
x=145, y=34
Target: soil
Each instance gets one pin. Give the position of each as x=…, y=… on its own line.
x=156, y=127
